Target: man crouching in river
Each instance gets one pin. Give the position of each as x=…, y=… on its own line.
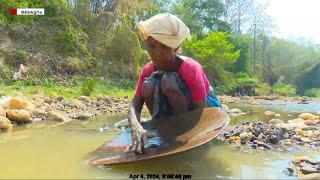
x=169, y=84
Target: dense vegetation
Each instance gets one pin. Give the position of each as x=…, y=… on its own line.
x=97, y=38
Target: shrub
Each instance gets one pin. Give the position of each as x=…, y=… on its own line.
x=284, y=89
x=263, y=89
x=88, y=86
x=313, y=92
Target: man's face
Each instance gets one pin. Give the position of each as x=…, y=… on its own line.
x=160, y=54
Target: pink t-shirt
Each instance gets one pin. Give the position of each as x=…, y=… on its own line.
x=190, y=71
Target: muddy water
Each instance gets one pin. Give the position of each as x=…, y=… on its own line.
x=45, y=151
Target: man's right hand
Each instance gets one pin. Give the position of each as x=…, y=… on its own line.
x=139, y=138
x=139, y=135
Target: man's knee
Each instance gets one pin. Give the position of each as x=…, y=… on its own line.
x=148, y=88
x=169, y=85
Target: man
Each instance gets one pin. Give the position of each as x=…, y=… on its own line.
x=169, y=84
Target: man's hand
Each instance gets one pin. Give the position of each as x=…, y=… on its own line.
x=139, y=135
x=139, y=138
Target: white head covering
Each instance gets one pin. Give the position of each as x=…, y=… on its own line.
x=165, y=28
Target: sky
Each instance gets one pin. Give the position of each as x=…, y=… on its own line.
x=296, y=18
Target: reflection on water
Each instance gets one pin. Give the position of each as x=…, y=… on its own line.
x=46, y=151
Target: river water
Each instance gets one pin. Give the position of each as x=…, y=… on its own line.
x=43, y=150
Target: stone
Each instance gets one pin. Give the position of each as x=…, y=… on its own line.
x=277, y=115
x=48, y=100
x=18, y=103
x=306, y=140
x=18, y=115
x=276, y=121
x=37, y=112
x=318, y=113
x=307, y=116
x=2, y=112
x=308, y=170
x=235, y=111
x=264, y=145
x=311, y=176
x=249, y=136
x=5, y=123
x=38, y=101
x=83, y=115
x=287, y=143
x=57, y=116
x=310, y=122
x=76, y=104
x=48, y=108
x=269, y=113
x=84, y=99
x=243, y=136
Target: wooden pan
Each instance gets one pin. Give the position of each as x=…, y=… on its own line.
x=174, y=135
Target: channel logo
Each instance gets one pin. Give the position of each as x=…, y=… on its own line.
x=27, y=11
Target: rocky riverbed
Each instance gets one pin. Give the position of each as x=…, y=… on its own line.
x=21, y=110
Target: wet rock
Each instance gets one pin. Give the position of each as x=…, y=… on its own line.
x=269, y=113
x=57, y=116
x=5, y=123
x=308, y=170
x=276, y=121
x=18, y=115
x=264, y=145
x=2, y=112
x=307, y=116
x=18, y=103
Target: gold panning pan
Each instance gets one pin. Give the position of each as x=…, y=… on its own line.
x=174, y=135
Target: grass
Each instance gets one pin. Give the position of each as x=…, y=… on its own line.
x=72, y=89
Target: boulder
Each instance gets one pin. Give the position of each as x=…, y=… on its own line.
x=2, y=112
x=307, y=116
x=5, y=123
x=18, y=115
x=18, y=103
x=48, y=100
x=57, y=116
x=37, y=112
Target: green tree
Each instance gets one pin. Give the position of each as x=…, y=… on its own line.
x=215, y=53
x=201, y=16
